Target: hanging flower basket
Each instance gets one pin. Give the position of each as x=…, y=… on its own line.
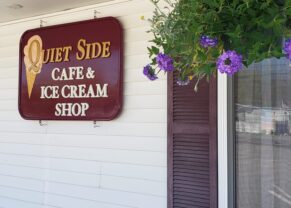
x=198, y=37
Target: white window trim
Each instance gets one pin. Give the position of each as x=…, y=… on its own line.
x=222, y=106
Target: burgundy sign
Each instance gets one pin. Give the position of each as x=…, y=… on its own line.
x=72, y=71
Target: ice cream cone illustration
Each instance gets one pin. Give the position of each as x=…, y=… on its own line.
x=33, y=58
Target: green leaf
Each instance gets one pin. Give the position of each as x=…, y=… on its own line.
x=253, y=28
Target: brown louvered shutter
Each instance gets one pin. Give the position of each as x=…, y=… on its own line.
x=192, y=145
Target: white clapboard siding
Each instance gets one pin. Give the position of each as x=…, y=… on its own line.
x=73, y=202
x=90, y=141
x=132, y=35
x=20, y=194
x=104, y=194
x=18, y=203
x=71, y=164
x=84, y=166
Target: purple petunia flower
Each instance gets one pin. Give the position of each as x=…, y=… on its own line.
x=229, y=62
x=208, y=42
x=287, y=48
x=165, y=62
x=149, y=73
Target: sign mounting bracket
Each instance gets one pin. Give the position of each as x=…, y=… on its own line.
x=41, y=22
x=41, y=123
x=95, y=14
x=95, y=125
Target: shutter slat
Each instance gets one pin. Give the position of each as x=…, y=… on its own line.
x=191, y=202
x=192, y=163
x=195, y=192
x=190, y=175
x=183, y=167
x=190, y=195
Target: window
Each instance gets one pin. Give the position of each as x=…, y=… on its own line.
x=262, y=98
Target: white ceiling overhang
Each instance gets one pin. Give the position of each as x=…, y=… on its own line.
x=18, y=9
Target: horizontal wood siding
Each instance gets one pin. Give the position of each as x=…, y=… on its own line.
x=120, y=164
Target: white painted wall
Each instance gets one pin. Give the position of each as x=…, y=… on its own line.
x=121, y=164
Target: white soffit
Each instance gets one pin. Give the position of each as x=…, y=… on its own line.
x=18, y=9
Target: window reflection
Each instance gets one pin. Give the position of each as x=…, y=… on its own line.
x=263, y=120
